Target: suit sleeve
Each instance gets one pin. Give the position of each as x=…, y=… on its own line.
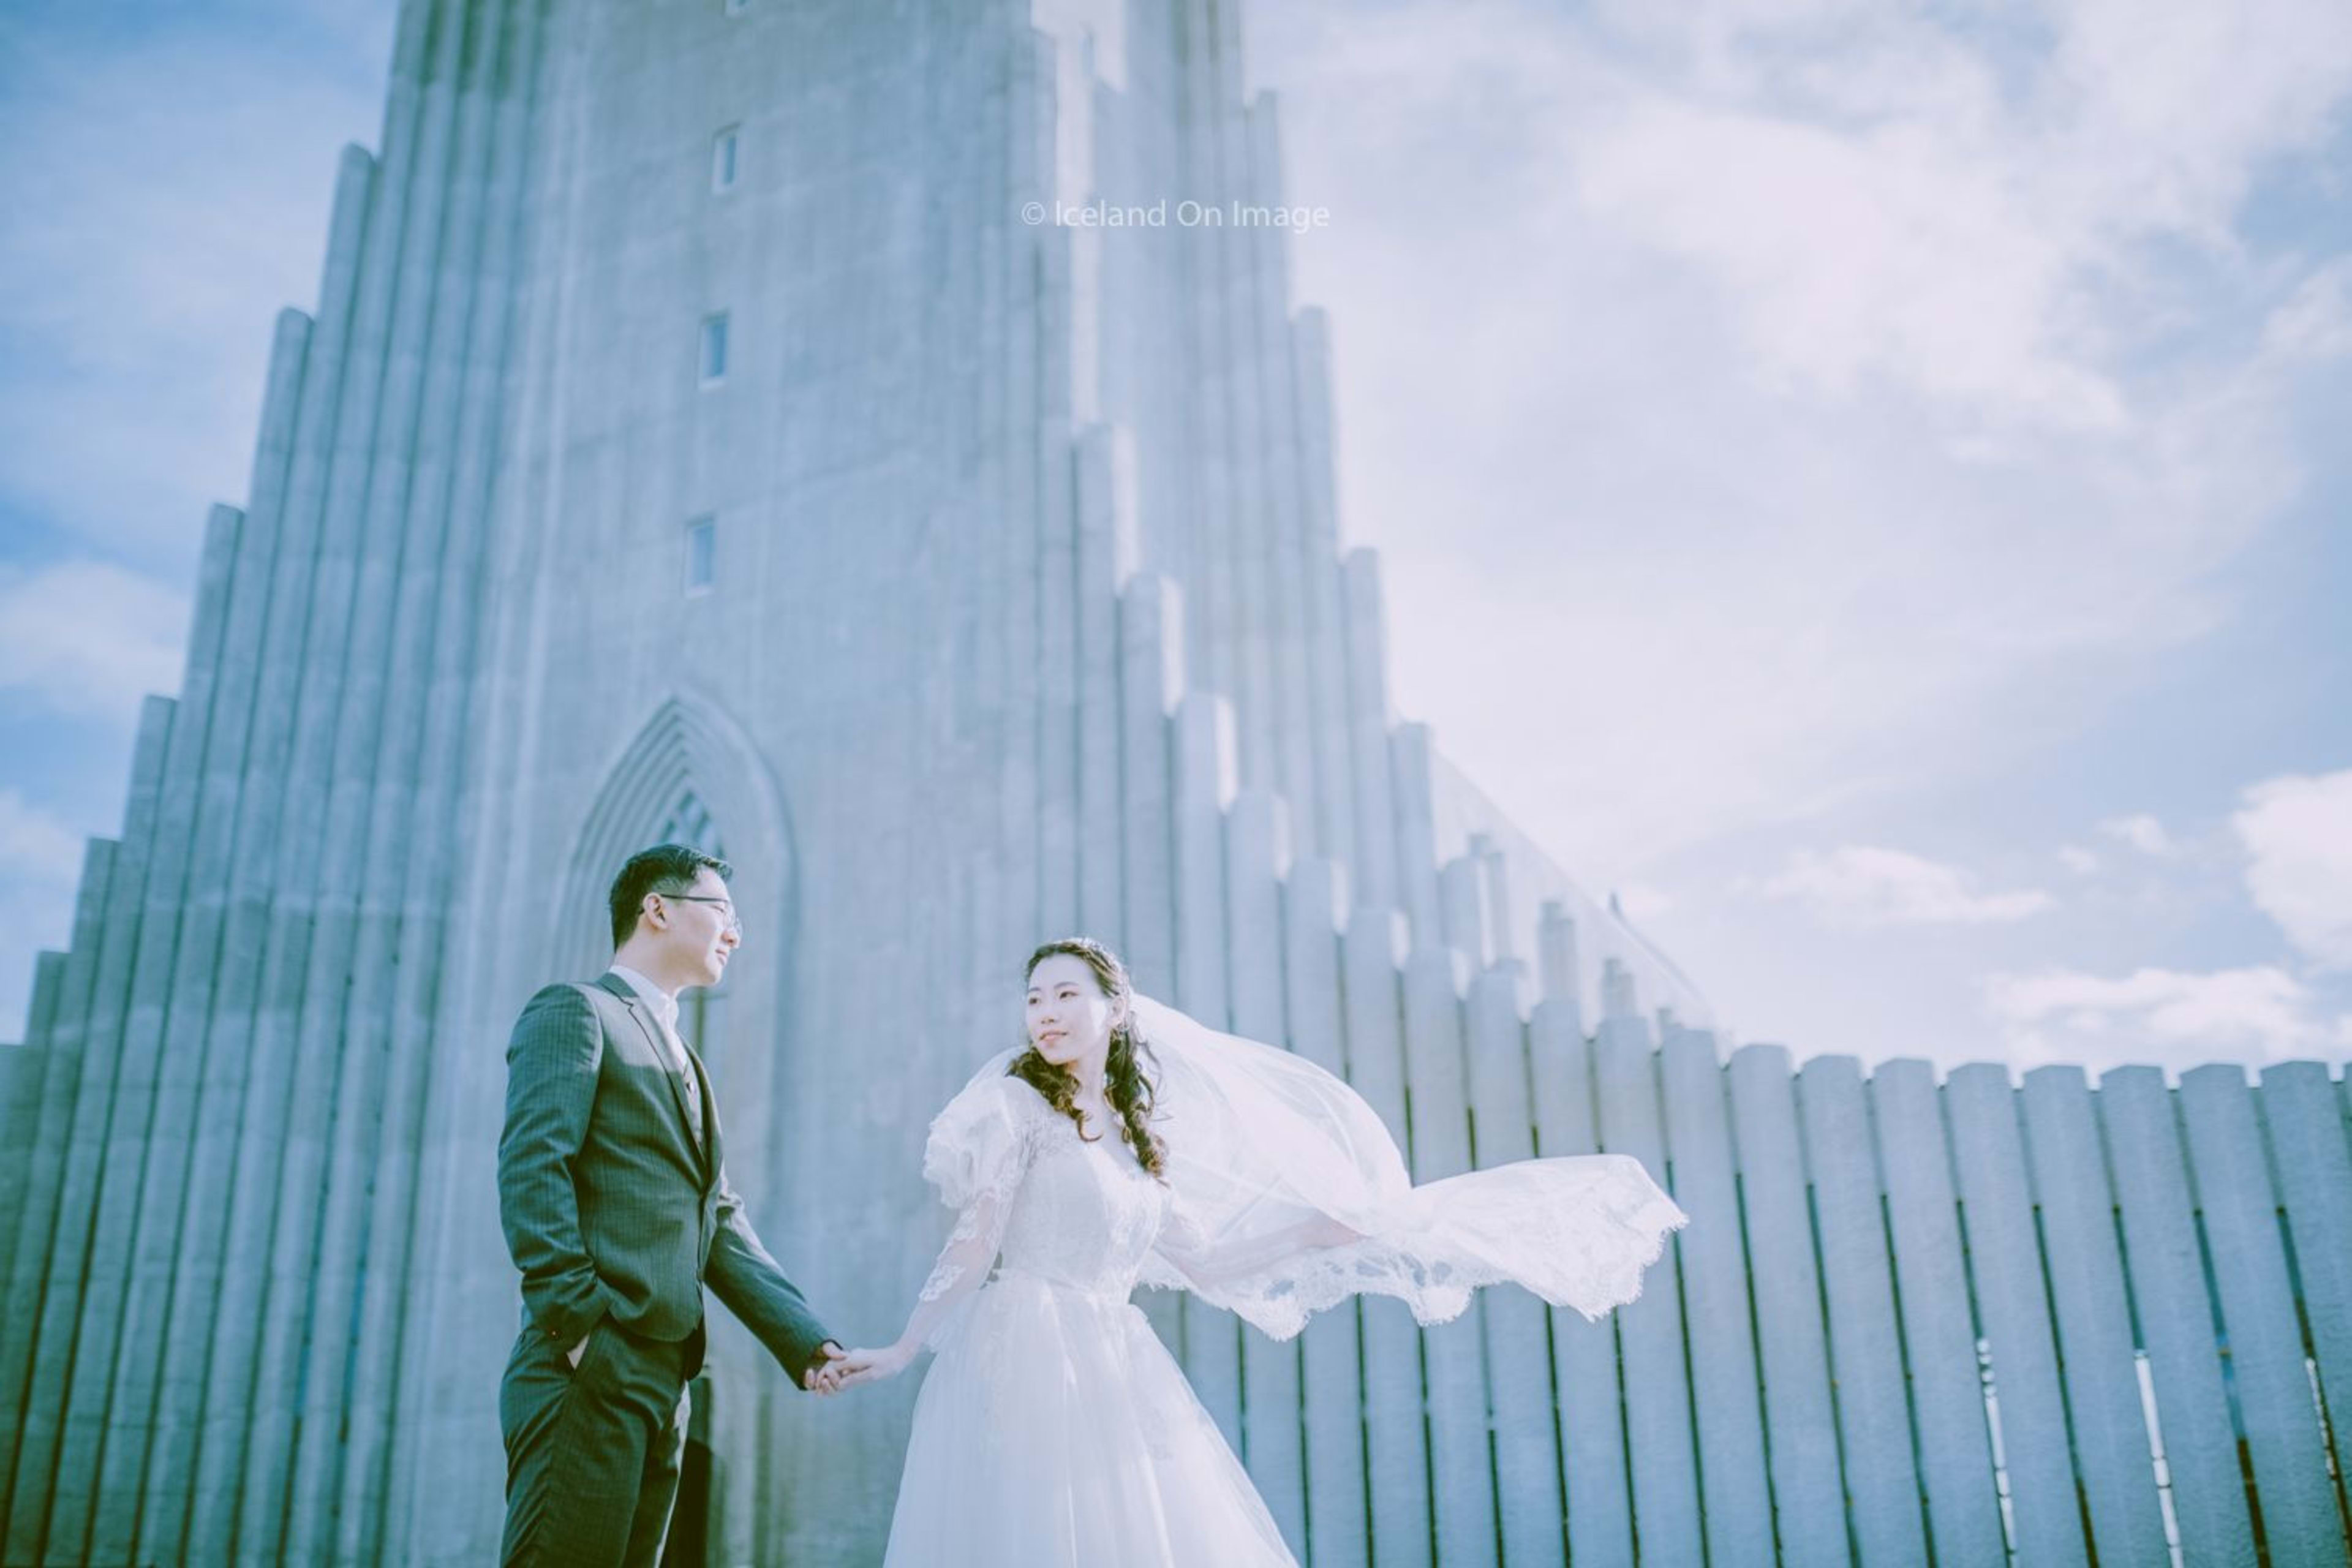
x=742, y=1275
x=551, y=1066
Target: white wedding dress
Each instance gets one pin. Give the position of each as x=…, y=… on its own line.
x=1054, y=1430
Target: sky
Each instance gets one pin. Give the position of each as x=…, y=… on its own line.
x=1868, y=484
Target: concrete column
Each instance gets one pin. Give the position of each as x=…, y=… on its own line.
x=322, y=1170
x=2231, y=1166
x=993, y=690
x=263, y=1301
x=1029, y=176
x=1097, y=665
x=1416, y=832
x=164, y=1346
x=2303, y=1119
x=1461, y=909
x=370, y=1515
x=1587, y=1398
x=372, y=1153
x=2140, y=1139
x=81, y=1520
x=1212, y=588
x=1883, y=1488
x=1556, y=974
x=1284, y=637
x=1396, y=1452
x=230, y=1197
x=2013, y=1308
x=27, y=1068
x=1715, y=1278
x=2085, y=1270
x=1326, y=631
x=1518, y=1332
x=426, y=892
x=1650, y=1330
x=1494, y=874
x=1377, y=828
x=1059, y=715
x=1330, y=1349
x=1203, y=757
x=43, y=1433
x=127, y=1286
x=1146, y=316
x=1618, y=1000
x=1939, y=1330
x=1257, y=854
x=469, y=1292
x=35, y=1217
x=1253, y=522
x=1461, y=1466
x=1151, y=682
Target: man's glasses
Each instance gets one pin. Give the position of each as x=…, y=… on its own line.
x=734, y=923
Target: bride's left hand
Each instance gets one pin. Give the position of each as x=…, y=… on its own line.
x=868, y=1365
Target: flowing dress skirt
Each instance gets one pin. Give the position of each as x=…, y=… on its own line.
x=1054, y=1430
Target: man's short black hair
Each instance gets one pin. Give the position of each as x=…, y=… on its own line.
x=664, y=868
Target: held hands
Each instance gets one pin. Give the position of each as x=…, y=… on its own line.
x=864, y=1366
x=820, y=1377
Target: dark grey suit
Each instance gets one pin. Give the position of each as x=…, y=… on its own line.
x=618, y=1215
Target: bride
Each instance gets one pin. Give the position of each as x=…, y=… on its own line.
x=1126, y=1144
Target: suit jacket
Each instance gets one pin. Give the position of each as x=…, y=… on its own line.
x=609, y=1203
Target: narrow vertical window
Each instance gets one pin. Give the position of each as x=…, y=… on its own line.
x=714, y=349
x=701, y=554
x=722, y=160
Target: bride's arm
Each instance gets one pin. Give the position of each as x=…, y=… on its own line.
x=962, y=1268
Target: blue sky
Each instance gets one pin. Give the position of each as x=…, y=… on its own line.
x=1867, y=483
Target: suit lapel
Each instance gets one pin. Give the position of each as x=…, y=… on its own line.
x=651, y=1027
x=710, y=1110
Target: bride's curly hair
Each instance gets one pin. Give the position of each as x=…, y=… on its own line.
x=1127, y=1082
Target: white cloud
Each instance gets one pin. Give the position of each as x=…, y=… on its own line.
x=167, y=193
x=1913, y=261
x=1782, y=380
x=2077, y=860
x=1860, y=885
x=2297, y=833
x=89, y=639
x=1641, y=901
x=2315, y=322
x=40, y=867
x=2159, y=1015
x=34, y=843
x=2141, y=831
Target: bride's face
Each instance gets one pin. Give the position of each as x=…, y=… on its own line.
x=1070, y=1017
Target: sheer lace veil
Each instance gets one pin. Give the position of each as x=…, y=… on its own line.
x=1290, y=1194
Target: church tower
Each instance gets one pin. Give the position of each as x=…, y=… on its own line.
x=877, y=441
x=733, y=421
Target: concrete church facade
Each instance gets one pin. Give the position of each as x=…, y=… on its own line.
x=697, y=438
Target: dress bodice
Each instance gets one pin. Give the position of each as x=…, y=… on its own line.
x=1086, y=1212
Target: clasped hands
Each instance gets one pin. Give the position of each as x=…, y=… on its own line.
x=837, y=1369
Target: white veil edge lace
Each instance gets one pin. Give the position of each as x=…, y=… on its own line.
x=1291, y=1195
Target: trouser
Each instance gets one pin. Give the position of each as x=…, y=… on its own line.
x=592, y=1451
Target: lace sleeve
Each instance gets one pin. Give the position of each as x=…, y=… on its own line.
x=976, y=1155
x=971, y=1246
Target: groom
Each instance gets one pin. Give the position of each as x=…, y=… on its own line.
x=617, y=1211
